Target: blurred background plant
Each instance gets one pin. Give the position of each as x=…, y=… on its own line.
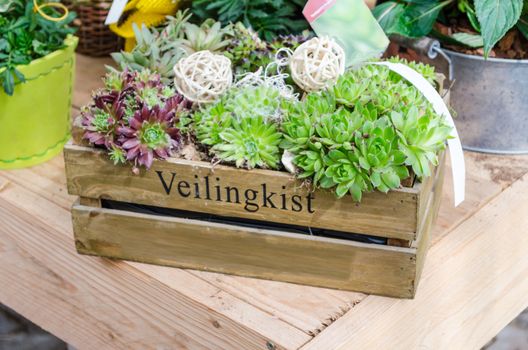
x=269, y=18
x=25, y=35
x=463, y=24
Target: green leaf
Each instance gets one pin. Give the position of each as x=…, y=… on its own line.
x=496, y=17
x=6, y=4
x=8, y=82
x=388, y=15
x=341, y=189
x=522, y=25
x=391, y=179
x=469, y=40
x=419, y=17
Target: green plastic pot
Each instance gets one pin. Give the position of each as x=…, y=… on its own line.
x=35, y=120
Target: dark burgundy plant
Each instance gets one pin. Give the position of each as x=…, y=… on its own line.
x=151, y=132
x=134, y=118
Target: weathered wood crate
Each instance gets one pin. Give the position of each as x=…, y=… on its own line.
x=256, y=223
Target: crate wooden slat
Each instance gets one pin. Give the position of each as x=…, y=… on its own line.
x=235, y=249
x=393, y=215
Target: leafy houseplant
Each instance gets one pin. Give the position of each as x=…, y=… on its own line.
x=25, y=36
x=478, y=23
x=471, y=32
x=267, y=18
x=36, y=72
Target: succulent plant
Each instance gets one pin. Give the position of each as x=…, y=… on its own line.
x=343, y=171
x=363, y=133
x=259, y=101
x=427, y=71
x=242, y=127
x=101, y=118
x=210, y=122
x=250, y=142
x=247, y=51
x=151, y=133
x=159, y=49
x=290, y=41
x=376, y=148
x=421, y=135
x=210, y=35
x=154, y=51
x=134, y=117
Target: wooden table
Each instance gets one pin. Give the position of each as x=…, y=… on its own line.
x=475, y=279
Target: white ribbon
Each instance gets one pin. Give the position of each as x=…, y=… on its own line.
x=458, y=166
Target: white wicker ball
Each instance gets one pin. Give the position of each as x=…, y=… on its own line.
x=317, y=63
x=203, y=76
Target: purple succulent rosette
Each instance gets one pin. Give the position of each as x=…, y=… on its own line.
x=134, y=117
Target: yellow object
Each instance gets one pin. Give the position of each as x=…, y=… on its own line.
x=35, y=121
x=38, y=8
x=147, y=12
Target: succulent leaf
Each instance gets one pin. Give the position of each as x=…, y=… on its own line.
x=137, y=121
x=242, y=127
x=368, y=129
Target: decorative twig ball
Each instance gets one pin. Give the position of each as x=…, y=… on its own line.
x=317, y=63
x=203, y=76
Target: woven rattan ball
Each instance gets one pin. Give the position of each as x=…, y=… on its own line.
x=317, y=63
x=203, y=76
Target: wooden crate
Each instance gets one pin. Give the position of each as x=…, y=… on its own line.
x=249, y=223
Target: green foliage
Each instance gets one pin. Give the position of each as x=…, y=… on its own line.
x=490, y=18
x=427, y=71
x=159, y=49
x=247, y=51
x=496, y=17
x=25, y=36
x=268, y=17
x=250, y=142
x=135, y=118
x=363, y=133
x=241, y=128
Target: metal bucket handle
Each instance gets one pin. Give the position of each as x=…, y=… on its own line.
x=425, y=46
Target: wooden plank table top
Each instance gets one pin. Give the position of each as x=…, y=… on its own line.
x=475, y=279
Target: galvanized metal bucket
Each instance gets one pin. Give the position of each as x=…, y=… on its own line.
x=490, y=97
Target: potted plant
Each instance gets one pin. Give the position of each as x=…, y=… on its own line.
x=205, y=142
x=486, y=43
x=36, y=73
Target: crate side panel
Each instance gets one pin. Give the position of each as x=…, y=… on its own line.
x=426, y=188
x=256, y=194
x=247, y=252
x=424, y=239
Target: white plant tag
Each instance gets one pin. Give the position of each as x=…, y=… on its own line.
x=458, y=166
x=116, y=10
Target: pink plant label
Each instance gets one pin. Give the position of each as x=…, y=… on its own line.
x=315, y=8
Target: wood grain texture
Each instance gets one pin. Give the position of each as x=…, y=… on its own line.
x=253, y=252
x=45, y=270
x=474, y=282
x=309, y=309
x=259, y=304
x=40, y=192
x=244, y=251
x=91, y=174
